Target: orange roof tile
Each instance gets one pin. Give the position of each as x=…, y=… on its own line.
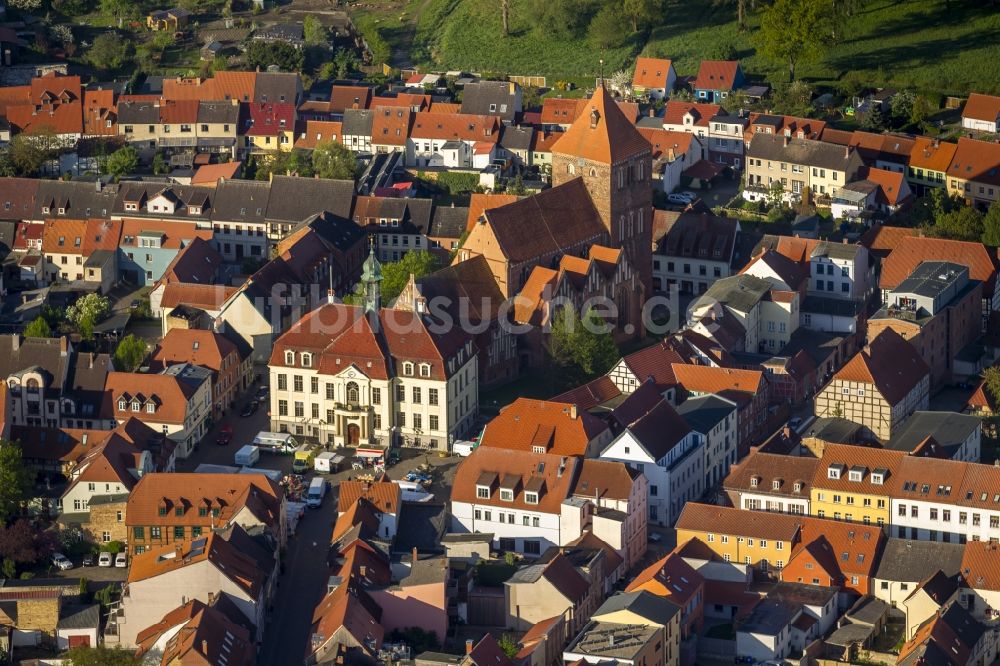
x=909, y=252
x=674, y=112
x=102, y=235
x=64, y=236
x=602, y=133
x=890, y=183
x=391, y=125
x=651, y=72
x=479, y=203
x=176, y=233
x=865, y=458
x=168, y=394
x=979, y=565
x=716, y=75
x=550, y=476
x=457, y=126
x=716, y=519
x=229, y=493
x=210, y=174
x=667, y=142
x=527, y=424
x=317, y=131
x=931, y=154
x=711, y=379
x=982, y=107
x=385, y=496
x=977, y=161
x=207, y=349
x=202, y=296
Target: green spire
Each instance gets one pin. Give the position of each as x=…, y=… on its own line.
x=371, y=277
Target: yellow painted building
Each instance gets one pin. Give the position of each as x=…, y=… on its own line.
x=755, y=538
x=855, y=484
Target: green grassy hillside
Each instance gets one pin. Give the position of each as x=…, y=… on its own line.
x=909, y=43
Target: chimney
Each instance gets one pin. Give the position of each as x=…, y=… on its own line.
x=63, y=345
x=15, y=342
x=784, y=141
x=847, y=152
x=414, y=556
x=468, y=646
x=204, y=646
x=572, y=411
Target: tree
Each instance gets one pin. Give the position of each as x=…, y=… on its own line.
x=580, y=347
x=285, y=56
x=88, y=310
x=564, y=19
x=25, y=5
x=991, y=376
x=122, y=162
x=39, y=328
x=794, y=99
x=120, y=10
x=344, y=62
x=509, y=645
x=643, y=13
x=100, y=655
x=902, y=106
x=505, y=16
x=28, y=152
x=332, y=159
x=621, y=82
x=130, y=353
x=794, y=31
x=964, y=223
x=314, y=32
x=16, y=480
x=741, y=13
x=110, y=52
x=607, y=28
x=396, y=274
x=23, y=543
x=991, y=226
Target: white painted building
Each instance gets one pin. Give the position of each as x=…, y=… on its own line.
x=663, y=446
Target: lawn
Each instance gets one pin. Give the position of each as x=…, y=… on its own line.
x=916, y=44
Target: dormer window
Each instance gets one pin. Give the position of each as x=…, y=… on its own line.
x=754, y=481
x=856, y=475
x=538, y=449
x=307, y=359
x=136, y=406
x=797, y=486
x=482, y=492
x=408, y=369
x=122, y=405
x=877, y=478
x=289, y=358
x=506, y=495
x=531, y=498
x=425, y=369
x=834, y=472
x=150, y=408
x=776, y=484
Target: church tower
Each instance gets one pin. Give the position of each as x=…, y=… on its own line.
x=615, y=162
x=371, y=281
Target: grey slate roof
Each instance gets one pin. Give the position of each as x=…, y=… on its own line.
x=293, y=199
x=642, y=603
x=516, y=138
x=218, y=112
x=803, y=151
x=80, y=617
x=740, y=292
x=705, y=412
x=138, y=113
x=79, y=199
x=241, y=201
x=277, y=87
x=448, y=222
x=18, y=354
x=908, y=561
x=949, y=430
x=357, y=122
x=833, y=429
x=479, y=96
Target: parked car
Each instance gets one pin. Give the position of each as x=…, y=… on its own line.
x=88, y=561
x=249, y=409
x=262, y=394
x=681, y=197
x=61, y=562
x=225, y=435
x=104, y=559
x=121, y=561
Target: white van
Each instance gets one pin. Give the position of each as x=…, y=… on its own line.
x=463, y=448
x=327, y=462
x=317, y=489
x=247, y=456
x=275, y=442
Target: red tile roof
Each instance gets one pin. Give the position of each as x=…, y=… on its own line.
x=201, y=296
x=889, y=363
x=385, y=496
x=710, y=379
x=602, y=133
x=391, y=125
x=651, y=72
x=479, y=203
x=98, y=110
x=64, y=236
x=561, y=111
x=168, y=394
x=312, y=132
x=349, y=97
x=526, y=424
x=269, y=119
x=176, y=234
x=979, y=565
x=890, y=185
x=537, y=472
x=982, y=107
x=716, y=75
x=674, y=112
x=667, y=144
x=458, y=126
x=705, y=518
x=207, y=349
x=210, y=174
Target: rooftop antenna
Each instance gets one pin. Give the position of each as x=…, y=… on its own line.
x=602, y=72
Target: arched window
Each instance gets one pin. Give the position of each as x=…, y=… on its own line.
x=306, y=359
x=32, y=385
x=593, y=172
x=570, y=169
x=408, y=369
x=289, y=358
x=352, y=393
